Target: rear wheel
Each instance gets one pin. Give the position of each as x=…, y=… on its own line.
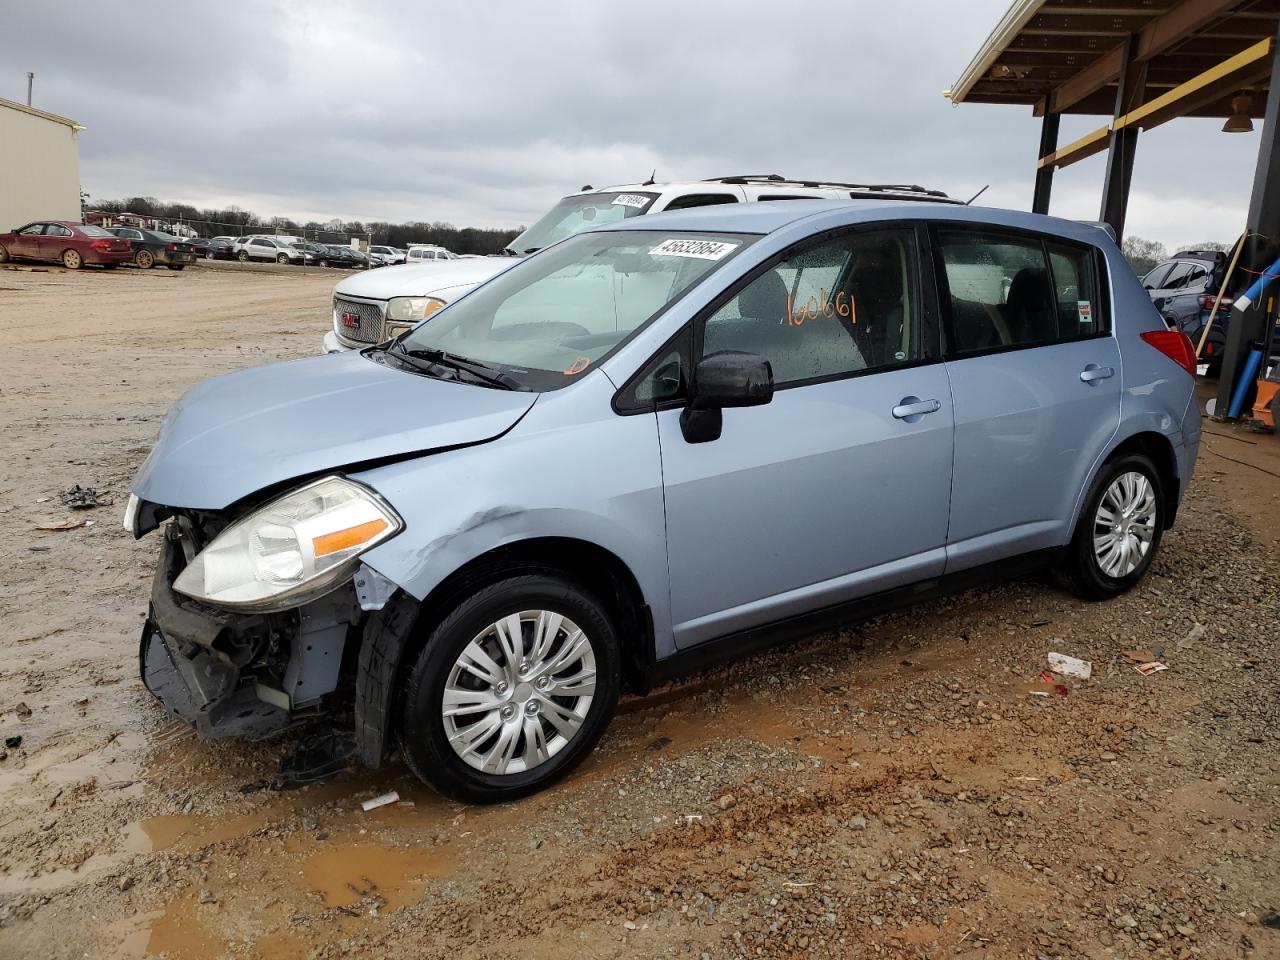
x=243, y=256
x=282, y=258
x=1119, y=530
x=511, y=690
x=72, y=260
x=145, y=259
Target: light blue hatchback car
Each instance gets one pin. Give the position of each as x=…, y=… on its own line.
x=647, y=447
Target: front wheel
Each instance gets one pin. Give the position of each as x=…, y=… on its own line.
x=1119, y=530
x=243, y=256
x=72, y=260
x=511, y=690
x=282, y=258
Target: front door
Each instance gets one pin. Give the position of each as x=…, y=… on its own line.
x=839, y=487
x=27, y=241
x=1035, y=377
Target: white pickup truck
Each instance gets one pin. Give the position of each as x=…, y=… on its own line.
x=376, y=305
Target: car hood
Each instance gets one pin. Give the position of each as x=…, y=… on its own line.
x=234, y=435
x=422, y=279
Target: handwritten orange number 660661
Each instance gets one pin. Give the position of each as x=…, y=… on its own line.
x=822, y=305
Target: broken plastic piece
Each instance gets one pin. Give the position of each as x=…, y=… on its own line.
x=1070, y=666
x=381, y=801
x=1154, y=666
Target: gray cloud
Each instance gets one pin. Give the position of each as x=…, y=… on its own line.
x=484, y=114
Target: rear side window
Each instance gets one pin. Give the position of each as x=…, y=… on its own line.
x=690, y=200
x=834, y=309
x=1013, y=291
x=57, y=230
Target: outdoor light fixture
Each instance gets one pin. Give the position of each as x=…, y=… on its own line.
x=1239, y=121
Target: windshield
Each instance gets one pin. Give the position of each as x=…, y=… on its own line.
x=574, y=214
x=546, y=321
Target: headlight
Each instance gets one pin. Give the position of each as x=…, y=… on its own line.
x=412, y=309
x=292, y=550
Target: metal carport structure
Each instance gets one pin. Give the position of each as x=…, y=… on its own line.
x=1142, y=63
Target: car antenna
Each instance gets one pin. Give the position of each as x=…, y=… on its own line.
x=976, y=195
x=649, y=182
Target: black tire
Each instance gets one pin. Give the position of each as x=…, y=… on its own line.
x=243, y=256
x=422, y=733
x=1081, y=571
x=282, y=258
x=72, y=260
x=110, y=266
x=4, y=254
x=145, y=259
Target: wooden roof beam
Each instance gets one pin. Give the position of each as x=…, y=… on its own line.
x=1158, y=35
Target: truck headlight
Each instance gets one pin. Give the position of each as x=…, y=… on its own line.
x=291, y=550
x=412, y=309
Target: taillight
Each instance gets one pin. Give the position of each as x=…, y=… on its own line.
x=1207, y=301
x=171, y=246
x=1174, y=345
x=101, y=244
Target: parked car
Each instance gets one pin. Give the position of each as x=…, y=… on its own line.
x=151, y=247
x=426, y=253
x=697, y=433
x=386, y=256
x=369, y=309
x=221, y=248
x=261, y=247
x=345, y=256
x=200, y=245
x=318, y=252
x=74, y=244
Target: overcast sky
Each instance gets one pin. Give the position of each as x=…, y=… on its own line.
x=484, y=114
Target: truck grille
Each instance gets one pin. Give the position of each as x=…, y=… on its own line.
x=369, y=327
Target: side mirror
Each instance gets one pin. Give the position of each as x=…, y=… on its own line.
x=725, y=379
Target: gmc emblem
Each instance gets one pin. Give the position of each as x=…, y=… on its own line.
x=350, y=320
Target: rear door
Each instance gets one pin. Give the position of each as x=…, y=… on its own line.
x=1035, y=378
x=839, y=487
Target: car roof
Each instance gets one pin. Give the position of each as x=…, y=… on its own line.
x=768, y=217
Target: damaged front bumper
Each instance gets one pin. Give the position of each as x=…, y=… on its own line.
x=232, y=674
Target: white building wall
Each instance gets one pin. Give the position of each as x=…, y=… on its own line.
x=39, y=168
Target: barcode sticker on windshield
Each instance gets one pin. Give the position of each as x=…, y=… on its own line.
x=702, y=249
x=631, y=199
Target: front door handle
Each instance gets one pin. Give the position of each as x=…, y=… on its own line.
x=1094, y=372
x=912, y=409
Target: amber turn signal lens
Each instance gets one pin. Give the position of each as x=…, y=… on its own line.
x=350, y=537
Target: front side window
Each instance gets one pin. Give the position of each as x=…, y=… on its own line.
x=1010, y=291
x=841, y=307
x=572, y=215
x=547, y=321
x=35, y=230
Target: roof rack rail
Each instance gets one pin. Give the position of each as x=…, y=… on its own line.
x=814, y=184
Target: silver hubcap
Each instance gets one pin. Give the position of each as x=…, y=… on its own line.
x=519, y=692
x=1124, y=525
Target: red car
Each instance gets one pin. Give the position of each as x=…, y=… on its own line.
x=75, y=244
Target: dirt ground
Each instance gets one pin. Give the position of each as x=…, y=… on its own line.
x=895, y=790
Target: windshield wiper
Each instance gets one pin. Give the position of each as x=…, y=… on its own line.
x=529, y=250
x=473, y=367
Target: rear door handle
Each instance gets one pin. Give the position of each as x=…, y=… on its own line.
x=912, y=409
x=1094, y=372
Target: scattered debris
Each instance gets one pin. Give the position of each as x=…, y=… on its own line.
x=380, y=801
x=1154, y=666
x=71, y=523
x=1194, y=634
x=22, y=710
x=1140, y=656
x=660, y=743
x=1041, y=622
x=1270, y=920
x=84, y=498
x=35, y=549
x=13, y=743
x=319, y=758
x=726, y=801
x=1070, y=666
